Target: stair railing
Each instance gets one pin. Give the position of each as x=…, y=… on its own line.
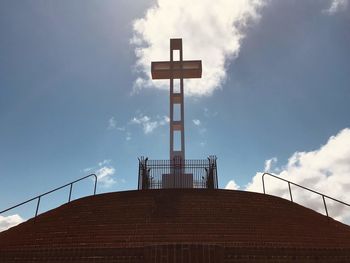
x=54, y=190
x=303, y=187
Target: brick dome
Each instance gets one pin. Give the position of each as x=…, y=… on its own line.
x=178, y=225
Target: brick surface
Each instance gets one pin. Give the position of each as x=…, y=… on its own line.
x=178, y=225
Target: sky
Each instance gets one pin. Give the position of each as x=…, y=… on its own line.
x=76, y=95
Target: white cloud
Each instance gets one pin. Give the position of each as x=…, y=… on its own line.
x=269, y=164
x=104, y=172
x=232, y=185
x=105, y=176
x=88, y=169
x=165, y=120
x=104, y=162
x=9, y=221
x=209, y=114
x=149, y=125
x=112, y=123
x=122, y=128
x=196, y=122
x=325, y=170
x=210, y=31
x=337, y=6
x=201, y=129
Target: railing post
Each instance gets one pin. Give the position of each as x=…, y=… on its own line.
x=290, y=192
x=95, y=184
x=70, y=192
x=138, y=179
x=325, y=205
x=263, y=183
x=37, y=206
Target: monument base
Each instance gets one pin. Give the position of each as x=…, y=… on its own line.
x=177, y=180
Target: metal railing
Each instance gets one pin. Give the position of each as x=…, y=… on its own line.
x=49, y=192
x=305, y=188
x=177, y=173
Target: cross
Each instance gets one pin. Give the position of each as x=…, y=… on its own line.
x=176, y=70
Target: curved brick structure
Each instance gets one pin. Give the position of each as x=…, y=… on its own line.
x=178, y=225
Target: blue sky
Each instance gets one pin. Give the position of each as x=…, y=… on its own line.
x=69, y=103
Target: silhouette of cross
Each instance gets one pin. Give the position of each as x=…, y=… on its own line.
x=176, y=71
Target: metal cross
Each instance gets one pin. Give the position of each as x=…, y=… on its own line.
x=176, y=70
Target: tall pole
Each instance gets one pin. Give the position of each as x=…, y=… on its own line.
x=177, y=130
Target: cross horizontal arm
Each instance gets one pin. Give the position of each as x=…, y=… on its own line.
x=176, y=69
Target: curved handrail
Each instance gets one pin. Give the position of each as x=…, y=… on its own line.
x=303, y=187
x=54, y=190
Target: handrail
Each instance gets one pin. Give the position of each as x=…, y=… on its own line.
x=49, y=192
x=303, y=187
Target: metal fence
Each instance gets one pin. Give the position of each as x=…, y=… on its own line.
x=177, y=173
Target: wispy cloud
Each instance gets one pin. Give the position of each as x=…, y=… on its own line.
x=128, y=136
x=210, y=32
x=196, y=122
x=112, y=123
x=326, y=170
x=7, y=222
x=209, y=114
x=105, y=173
x=104, y=162
x=105, y=176
x=337, y=6
x=201, y=129
x=148, y=124
x=269, y=164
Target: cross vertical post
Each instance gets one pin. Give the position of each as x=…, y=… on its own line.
x=176, y=102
